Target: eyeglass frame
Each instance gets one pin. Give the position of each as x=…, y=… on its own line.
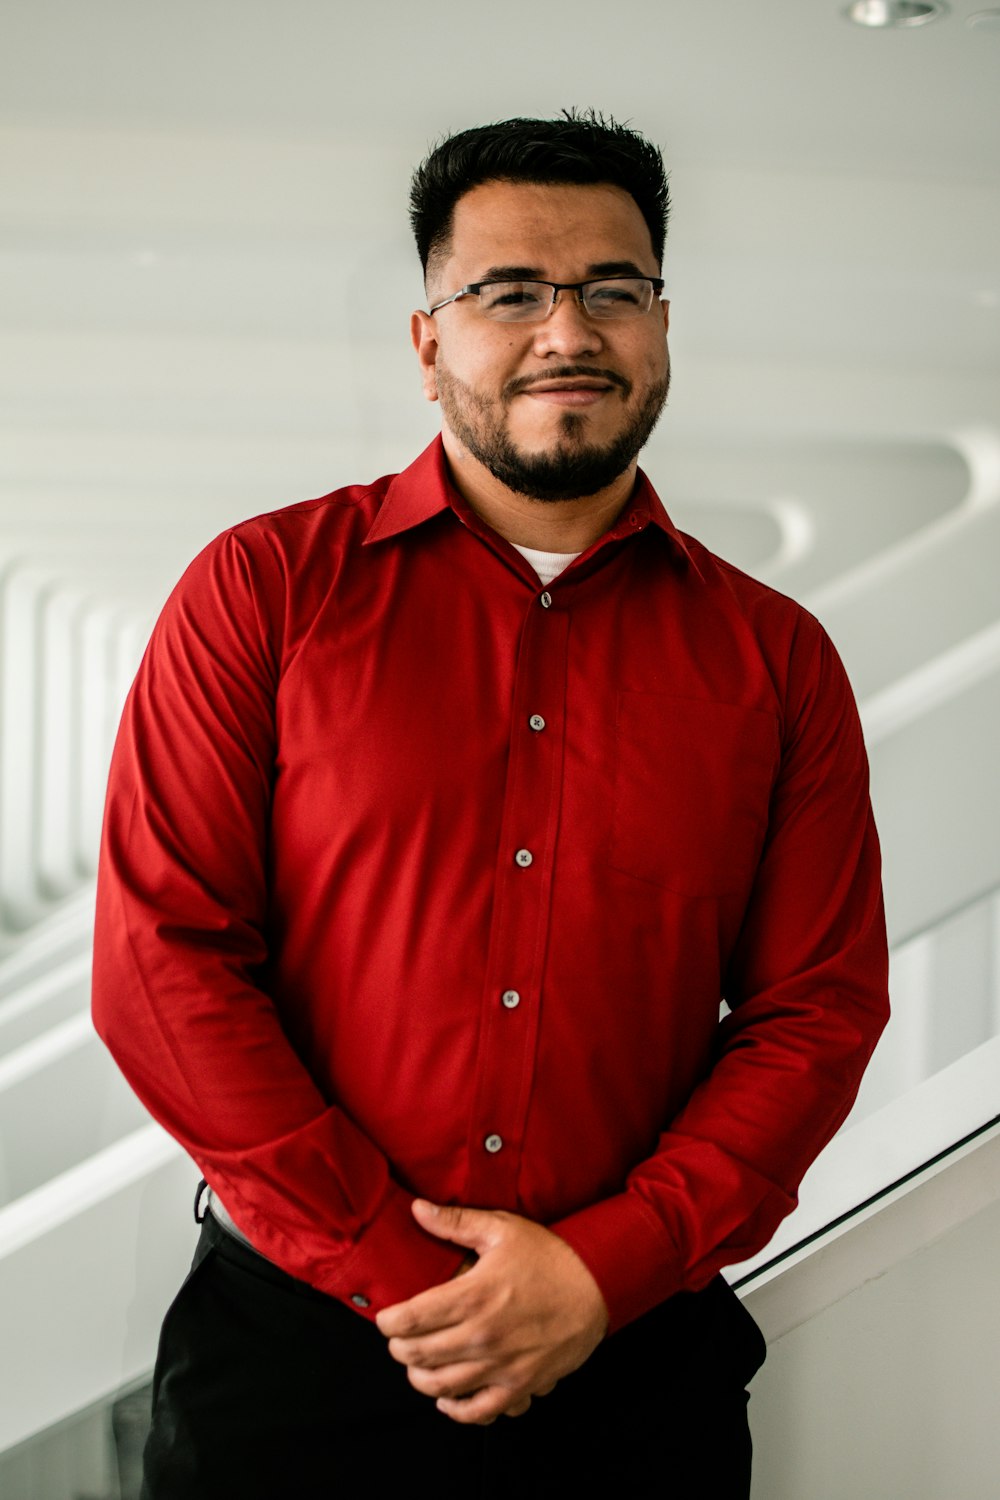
x=475, y=287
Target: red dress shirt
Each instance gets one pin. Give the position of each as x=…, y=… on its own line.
x=420, y=879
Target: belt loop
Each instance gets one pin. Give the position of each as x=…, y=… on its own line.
x=199, y=1218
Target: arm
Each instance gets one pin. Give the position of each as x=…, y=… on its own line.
x=807, y=986
x=181, y=937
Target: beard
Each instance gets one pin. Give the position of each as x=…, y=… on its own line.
x=572, y=469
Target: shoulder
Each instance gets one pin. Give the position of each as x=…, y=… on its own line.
x=255, y=582
x=780, y=627
x=775, y=637
x=342, y=517
x=747, y=595
x=278, y=546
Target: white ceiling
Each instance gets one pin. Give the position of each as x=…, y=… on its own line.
x=784, y=83
x=207, y=273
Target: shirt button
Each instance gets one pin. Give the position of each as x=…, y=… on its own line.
x=493, y=1144
x=360, y=1300
x=545, y=600
x=523, y=857
x=536, y=721
x=511, y=999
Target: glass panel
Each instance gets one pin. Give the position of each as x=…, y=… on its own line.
x=94, y=1455
x=945, y=989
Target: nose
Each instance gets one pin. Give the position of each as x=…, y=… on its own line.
x=568, y=330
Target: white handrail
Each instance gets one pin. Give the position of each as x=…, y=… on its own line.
x=980, y=447
x=84, y=1186
x=882, y=1149
x=933, y=683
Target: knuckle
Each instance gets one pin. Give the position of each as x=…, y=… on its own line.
x=485, y=1415
x=439, y=1384
x=459, y=1412
x=480, y=1409
x=422, y=1381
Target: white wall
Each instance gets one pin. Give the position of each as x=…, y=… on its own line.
x=890, y=1392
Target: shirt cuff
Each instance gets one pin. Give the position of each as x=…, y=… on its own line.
x=389, y=1261
x=628, y=1252
x=393, y=1260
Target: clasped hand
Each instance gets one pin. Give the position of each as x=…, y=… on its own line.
x=522, y=1316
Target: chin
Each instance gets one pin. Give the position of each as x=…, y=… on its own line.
x=566, y=431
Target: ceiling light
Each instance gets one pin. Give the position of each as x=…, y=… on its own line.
x=894, y=12
x=984, y=20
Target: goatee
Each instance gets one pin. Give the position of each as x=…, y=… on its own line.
x=573, y=468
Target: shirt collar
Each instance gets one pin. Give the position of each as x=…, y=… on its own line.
x=424, y=490
x=421, y=491
x=645, y=508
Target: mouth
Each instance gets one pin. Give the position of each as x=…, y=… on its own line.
x=569, y=395
x=583, y=388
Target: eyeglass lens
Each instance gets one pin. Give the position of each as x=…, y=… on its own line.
x=531, y=301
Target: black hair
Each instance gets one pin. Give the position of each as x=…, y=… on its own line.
x=579, y=147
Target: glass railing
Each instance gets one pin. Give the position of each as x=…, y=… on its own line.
x=932, y=1089
x=96, y=1453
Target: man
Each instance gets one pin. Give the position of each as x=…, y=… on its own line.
x=444, y=814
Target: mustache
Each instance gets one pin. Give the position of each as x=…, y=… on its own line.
x=564, y=372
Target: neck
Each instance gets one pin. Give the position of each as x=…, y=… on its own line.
x=549, y=525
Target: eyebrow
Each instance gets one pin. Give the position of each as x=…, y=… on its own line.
x=597, y=270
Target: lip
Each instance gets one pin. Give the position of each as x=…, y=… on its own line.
x=569, y=392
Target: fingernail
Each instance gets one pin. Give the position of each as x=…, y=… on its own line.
x=431, y=1208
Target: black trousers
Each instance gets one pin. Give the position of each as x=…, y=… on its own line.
x=265, y=1389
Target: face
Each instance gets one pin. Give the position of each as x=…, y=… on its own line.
x=556, y=409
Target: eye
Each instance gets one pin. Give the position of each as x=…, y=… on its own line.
x=615, y=293
x=511, y=294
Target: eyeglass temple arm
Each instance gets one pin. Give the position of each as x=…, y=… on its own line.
x=465, y=292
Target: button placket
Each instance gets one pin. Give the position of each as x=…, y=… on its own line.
x=522, y=904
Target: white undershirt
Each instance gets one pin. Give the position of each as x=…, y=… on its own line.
x=547, y=565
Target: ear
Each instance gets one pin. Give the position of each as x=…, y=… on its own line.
x=666, y=316
x=423, y=332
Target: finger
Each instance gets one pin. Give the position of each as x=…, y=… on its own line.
x=482, y=1408
x=450, y=1347
x=454, y=1382
x=440, y=1307
x=476, y=1228
x=519, y=1408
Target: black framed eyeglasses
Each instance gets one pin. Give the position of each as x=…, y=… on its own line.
x=533, y=301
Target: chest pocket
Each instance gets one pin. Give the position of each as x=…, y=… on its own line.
x=692, y=784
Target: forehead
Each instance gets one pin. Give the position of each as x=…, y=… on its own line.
x=559, y=229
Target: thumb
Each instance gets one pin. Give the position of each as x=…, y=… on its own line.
x=475, y=1228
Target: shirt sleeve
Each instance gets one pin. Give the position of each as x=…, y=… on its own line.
x=807, y=988
x=181, y=940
